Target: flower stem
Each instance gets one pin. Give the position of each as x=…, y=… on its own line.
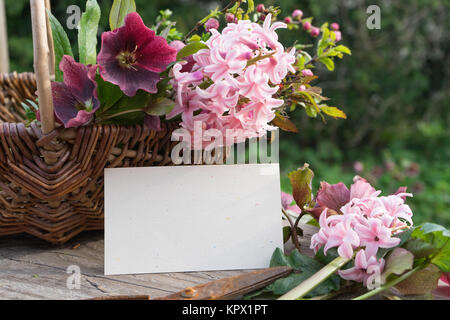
x=294, y=235
x=389, y=284
x=118, y=114
x=309, y=284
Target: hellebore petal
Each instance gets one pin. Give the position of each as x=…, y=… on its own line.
x=153, y=122
x=75, y=100
x=79, y=78
x=132, y=56
x=333, y=196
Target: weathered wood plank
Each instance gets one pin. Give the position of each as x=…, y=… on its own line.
x=33, y=269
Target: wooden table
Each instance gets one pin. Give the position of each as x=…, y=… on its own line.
x=33, y=269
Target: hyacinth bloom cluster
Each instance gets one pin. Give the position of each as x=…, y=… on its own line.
x=360, y=220
x=231, y=85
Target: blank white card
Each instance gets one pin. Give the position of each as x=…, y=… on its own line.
x=191, y=218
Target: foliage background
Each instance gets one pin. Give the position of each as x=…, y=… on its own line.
x=394, y=89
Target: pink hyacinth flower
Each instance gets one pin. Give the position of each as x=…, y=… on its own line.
x=375, y=235
x=365, y=265
x=254, y=84
x=344, y=237
x=361, y=189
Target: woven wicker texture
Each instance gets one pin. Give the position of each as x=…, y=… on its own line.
x=51, y=186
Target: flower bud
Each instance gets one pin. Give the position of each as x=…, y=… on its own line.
x=297, y=14
x=307, y=73
x=302, y=88
x=260, y=8
x=338, y=36
x=334, y=26
x=315, y=32
x=262, y=17
x=211, y=24
x=288, y=20
x=306, y=25
x=230, y=18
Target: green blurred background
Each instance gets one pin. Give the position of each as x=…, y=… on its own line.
x=394, y=89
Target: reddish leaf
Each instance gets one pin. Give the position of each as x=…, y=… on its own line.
x=301, y=181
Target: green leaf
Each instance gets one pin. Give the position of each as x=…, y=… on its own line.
x=87, y=33
x=438, y=240
x=333, y=112
x=61, y=43
x=399, y=261
x=304, y=267
x=251, y=6
x=328, y=62
x=119, y=11
x=301, y=181
x=194, y=38
x=190, y=49
x=166, y=30
x=127, y=110
x=343, y=49
x=311, y=111
x=286, y=234
x=29, y=112
x=160, y=107
x=403, y=236
x=108, y=94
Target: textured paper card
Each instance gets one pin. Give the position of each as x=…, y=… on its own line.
x=191, y=218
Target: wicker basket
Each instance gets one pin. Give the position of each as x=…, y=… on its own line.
x=51, y=181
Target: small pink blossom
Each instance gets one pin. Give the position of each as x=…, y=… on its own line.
x=260, y=8
x=358, y=166
x=286, y=200
x=307, y=73
x=337, y=36
x=288, y=20
x=229, y=17
x=334, y=26
x=365, y=265
x=306, y=25
x=211, y=24
x=344, y=237
x=315, y=31
x=297, y=14
x=373, y=235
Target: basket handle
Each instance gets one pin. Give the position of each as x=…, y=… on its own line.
x=39, y=23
